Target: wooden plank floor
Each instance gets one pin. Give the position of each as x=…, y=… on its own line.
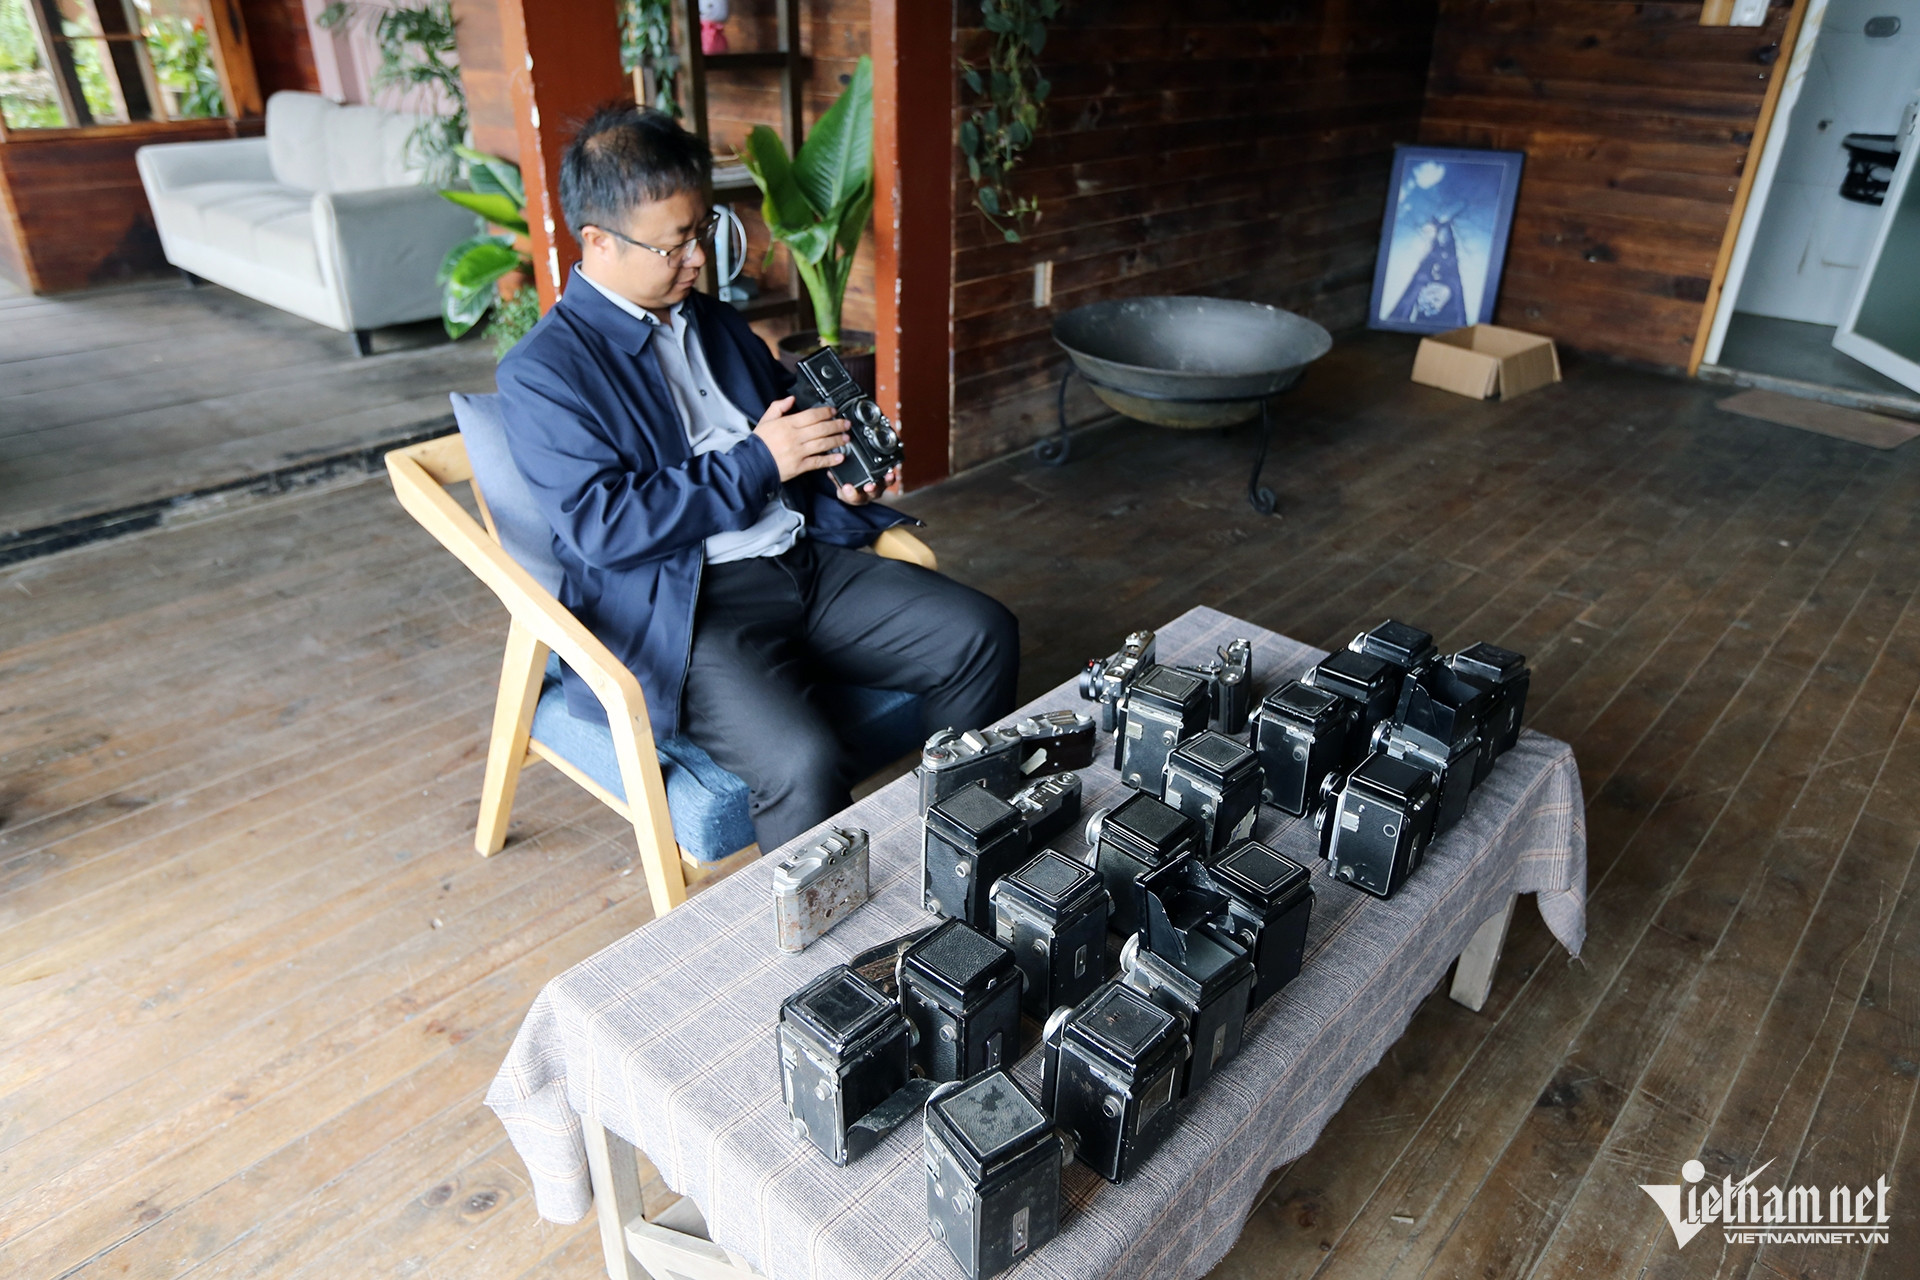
x=116, y=397
x=253, y=980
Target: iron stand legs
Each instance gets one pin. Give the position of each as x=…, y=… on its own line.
x=1051, y=451
x=1258, y=494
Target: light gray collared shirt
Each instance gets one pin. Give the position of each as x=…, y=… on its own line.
x=713, y=423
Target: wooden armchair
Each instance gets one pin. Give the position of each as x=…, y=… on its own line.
x=624, y=753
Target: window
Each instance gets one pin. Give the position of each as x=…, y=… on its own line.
x=74, y=63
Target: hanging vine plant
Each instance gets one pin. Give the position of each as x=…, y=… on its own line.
x=646, y=44
x=1012, y=94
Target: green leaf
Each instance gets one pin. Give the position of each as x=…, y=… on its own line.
x=1002, y=87
x=972, y=78
x=1036, y=38
x=496, y=209
x=1018, y=133
x=990, y=122
x=837, y=157
x=492, y=175
x=997, y=22
x=853, y=222
x=990, y=200
x=785, y=206
x=459, y=251
x=1041, y=88
x=973, y=169
x=481, y=265
x=1012, y=236
x=970, y=138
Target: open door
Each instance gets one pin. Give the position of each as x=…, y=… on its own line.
x=1882, y=325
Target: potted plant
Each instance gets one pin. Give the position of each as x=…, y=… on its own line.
x=817, y=205
x=492, y=271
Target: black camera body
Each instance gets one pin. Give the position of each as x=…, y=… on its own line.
x=1132, y=838
x=1210, y=985
x=1049, y=807
x=961, y=991
x=993, y=1162
x=1378, y=828
x=1053, y=913
x=873, y=447
x=1372, y=682
x=1301, y=735
x=1441, y=726
x=1215, y=780
x=1053, y=741
x=843, y=1052
x=1108, y=1077
x=1269, y=904
x=1106, y=679
x=1162, y=708
x=1229, y=681
x=1396, y=643
x=1507, y=675
x=971, y=839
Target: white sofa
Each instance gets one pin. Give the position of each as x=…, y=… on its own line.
x=322, y=217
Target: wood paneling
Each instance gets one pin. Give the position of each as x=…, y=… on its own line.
x=1197, y=150
x=1636, y=122
x=282, y=51
x=79, y=212
x=483, y=71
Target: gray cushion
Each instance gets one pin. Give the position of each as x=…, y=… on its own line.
x=316, y=144
x=523, y=530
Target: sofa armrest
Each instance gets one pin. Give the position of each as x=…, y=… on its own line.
x=170, y=165
x=385, y=247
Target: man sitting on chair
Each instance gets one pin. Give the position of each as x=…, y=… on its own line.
x=701, y=538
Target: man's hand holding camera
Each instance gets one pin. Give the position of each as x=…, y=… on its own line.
x=811, y=440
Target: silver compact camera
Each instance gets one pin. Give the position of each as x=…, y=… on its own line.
x=819, y=886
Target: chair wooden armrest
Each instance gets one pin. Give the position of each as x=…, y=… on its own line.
x=420, y=474
x=900, y=543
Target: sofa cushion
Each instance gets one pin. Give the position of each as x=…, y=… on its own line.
x=315, y=144
x=272, y=228
x=183, y=209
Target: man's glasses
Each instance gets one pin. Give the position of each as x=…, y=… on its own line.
x=678, y=253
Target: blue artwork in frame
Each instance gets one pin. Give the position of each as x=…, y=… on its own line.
x=1445, y=238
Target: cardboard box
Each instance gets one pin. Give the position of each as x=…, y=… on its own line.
x=1483, y=359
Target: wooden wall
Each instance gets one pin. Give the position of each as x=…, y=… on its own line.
x=1212, y=146
x=1636, y=122
x=282, y=52
x=78, y=214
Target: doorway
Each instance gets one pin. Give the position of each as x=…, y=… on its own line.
x=1810, y=230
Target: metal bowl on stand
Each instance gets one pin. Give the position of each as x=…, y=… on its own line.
x=1185, y=363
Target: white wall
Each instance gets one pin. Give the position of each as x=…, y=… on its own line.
x=1806, y=260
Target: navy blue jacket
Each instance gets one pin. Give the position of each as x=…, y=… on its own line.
x=594, y=430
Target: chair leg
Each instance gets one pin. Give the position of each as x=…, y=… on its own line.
x=616, y=1195
x=521, y=673
x=363, y=342
x=647, y=801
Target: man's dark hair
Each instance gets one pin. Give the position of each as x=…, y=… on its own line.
x=623, y=157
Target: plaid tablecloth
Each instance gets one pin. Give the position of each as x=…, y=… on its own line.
x=668, y=1035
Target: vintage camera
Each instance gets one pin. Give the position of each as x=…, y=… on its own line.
x=1049, y=807
x=961, y=991
x=1269, y=903
x=952, y=760
x=816, y=888
x=1215, y=780
x=1210, y=985
x=1365, y=679
x=1054, y=741
x=1106, y=679
x=1135, y=836
x=1161, y=709
x=1229, y=681
x=1302, y=734
x=1379, y=825
x=1053, y=913
x=1396, y=643
x=1506, y=673
x=1441, y=726
x=1108, y=1075
x=993, y=1164
x=872, y=446
x=843, y=1055
x=971, y=839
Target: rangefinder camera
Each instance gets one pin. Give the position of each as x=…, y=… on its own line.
x=872, y=445
x=819, y=886
x=1106, y=679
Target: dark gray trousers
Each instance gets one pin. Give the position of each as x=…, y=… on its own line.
x=770, y=631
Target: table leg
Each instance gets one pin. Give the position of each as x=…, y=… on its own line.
x=1473, y=974
x=616, y=1195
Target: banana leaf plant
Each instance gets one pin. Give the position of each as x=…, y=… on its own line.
x=473, y=271
x=817, y=203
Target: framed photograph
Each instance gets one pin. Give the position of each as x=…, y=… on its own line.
x=1445, y=238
